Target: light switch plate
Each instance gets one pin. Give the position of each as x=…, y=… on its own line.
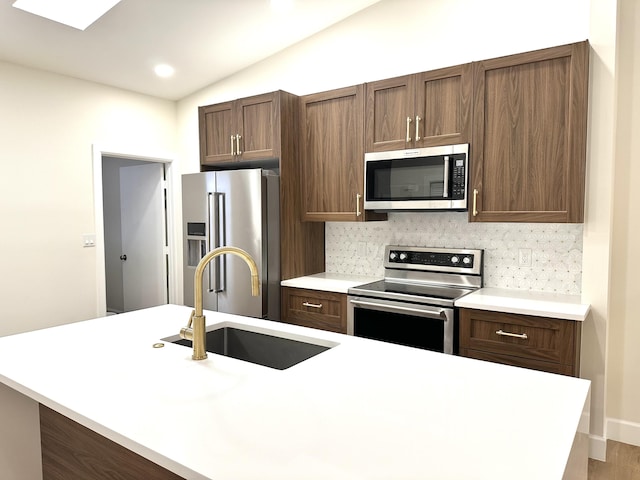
x=89, y=240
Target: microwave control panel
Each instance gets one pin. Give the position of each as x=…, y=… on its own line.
x=458, y=176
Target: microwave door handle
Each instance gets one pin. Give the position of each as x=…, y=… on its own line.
x=445, y=190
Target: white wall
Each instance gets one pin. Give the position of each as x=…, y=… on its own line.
x=48, y=124
x=598, y=211
x=623, y=368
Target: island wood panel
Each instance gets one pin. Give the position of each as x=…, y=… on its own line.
x=552, y=344
x=323, y=310
x=332, y=170
x=444, y=103
x=301, y=243
x=529, y=136
x=71, y=451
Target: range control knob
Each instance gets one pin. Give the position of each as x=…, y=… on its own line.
x=466, y=260
x=403, y=256
x=455, y=259
x=393, y=256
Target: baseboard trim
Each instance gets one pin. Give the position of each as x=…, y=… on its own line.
x=598, y=448
x=623, y=431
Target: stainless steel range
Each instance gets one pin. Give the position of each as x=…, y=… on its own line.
x=414, y=304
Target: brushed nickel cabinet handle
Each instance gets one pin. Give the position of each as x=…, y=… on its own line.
x=312, y=305
x=408, y=131
x=232, y=153
x=475, y=202
x=522, y=336
x=418, y=128
x=238, y=137
x=358, y=197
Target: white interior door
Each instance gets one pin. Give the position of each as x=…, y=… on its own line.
x=143, y=234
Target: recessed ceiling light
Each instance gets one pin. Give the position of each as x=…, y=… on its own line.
x=164, y=70
x=74, y=13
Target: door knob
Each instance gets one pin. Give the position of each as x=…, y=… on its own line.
x=123, y=258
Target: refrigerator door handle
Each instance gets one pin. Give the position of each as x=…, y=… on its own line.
x=218, y=223
x=211, y=236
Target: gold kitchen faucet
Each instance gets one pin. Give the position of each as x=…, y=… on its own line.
x=196, y=328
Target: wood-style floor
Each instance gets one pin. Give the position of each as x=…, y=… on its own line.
x=623, y=463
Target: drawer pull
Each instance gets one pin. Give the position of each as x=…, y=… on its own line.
x=523, y=336
x=312, y=305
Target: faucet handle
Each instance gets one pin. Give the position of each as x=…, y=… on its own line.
x=190, y=322
x=187, y=332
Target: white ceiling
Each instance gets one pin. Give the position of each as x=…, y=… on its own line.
x=205, y=40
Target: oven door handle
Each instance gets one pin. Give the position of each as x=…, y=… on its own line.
x=438, y=313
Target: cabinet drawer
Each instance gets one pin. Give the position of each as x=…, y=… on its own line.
x=535, y=338
x=316, y=309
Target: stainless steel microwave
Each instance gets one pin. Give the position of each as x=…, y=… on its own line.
x=431, y=178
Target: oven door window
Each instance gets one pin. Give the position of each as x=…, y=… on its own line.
x=434, y=334
x=421, y=178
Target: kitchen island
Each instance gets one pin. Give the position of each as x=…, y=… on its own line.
x=359, y=410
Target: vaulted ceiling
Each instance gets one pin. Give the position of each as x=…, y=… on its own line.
x=204, y=40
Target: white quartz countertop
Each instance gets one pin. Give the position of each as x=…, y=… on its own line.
x=328, y=282
x=360, y=410
x=567, y=307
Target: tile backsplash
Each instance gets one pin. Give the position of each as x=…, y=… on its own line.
x=555, y=249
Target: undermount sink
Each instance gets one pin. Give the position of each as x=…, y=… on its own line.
x=261, y=348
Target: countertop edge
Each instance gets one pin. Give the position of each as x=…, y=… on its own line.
x=523, y=302
x=328, y=282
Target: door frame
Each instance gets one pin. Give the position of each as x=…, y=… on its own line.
x=173, y=233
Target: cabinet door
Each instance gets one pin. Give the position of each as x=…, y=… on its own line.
x=529, y=136
x=332, y=155
x=216, y=132
x=443, y=106
x=389, y=114
x=257, y=120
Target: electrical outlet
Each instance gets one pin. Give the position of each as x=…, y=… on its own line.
x=524, y=257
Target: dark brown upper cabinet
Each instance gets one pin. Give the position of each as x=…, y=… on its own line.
x=268, y=128
x=420, y=110
x=242, y=130
x=528, y=152
x=332, y=156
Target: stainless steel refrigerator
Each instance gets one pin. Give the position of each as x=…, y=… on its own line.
x=238, y=208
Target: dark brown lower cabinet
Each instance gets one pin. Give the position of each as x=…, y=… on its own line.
x=540, y=343
x=71, y=451
x=315, y=309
